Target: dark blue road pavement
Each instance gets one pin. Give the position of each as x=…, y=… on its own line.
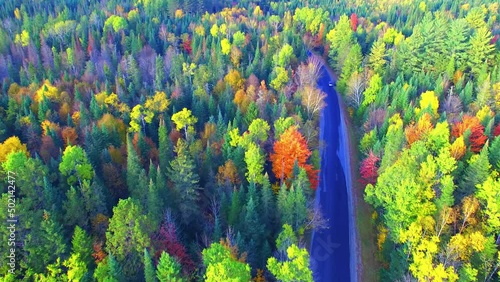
x=330, y=248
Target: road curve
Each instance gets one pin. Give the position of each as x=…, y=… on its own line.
x=334, y=255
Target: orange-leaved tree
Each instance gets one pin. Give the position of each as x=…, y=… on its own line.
x=477, y=139
x=290, y=148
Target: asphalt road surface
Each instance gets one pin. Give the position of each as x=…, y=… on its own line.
x=332, y=253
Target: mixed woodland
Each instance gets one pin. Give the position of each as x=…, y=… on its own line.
x=178, y=140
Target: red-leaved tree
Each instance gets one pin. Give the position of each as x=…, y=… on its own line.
x=354, y=22
x=477, y=139
x=291, y=147
x=496, y=131
x=369, y=170
x=186, y=44
x=165, y=239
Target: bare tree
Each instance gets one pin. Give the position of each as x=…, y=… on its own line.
x=452, y=105
x=356, y=86
x=313, y=99
x=309, y=73
x=315, y=219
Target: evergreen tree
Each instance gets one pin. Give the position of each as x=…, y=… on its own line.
x=115, y=269
x=133, y=171
x=168, y=269
x=476, y=173
x=82, y=246
x=128, y=235
x=153, y=203
x=481, y=50
x=185, y=182
x=73, y=209
x=80, y=263
x=164, y=147
x=149, y=269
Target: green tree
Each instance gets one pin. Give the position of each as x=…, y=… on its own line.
x=221, y=265
x=182, y=174
x=281, y=125
x=73, y=209
x=481, y=50
x=280, y=78
x=116, y=22
x=296, y=268
x=135, y=187
x=44, y=245
x=149, y=269
x=341, y=37
x=254, y=160
x=283, y=57
x=476, y=173
x=75, y=165
x=487, y=193
x=109, y=270
x=80, y=263
x=168, y=269
x=352, y=64
x=128, y=234
x=376, y=59
x=258, y=131
x=239, y=38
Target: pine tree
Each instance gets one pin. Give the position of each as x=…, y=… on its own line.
x=481, y=50
x=80, y=263
x=285, y=205
x=168, y=269
x=44, y=245
x=73, y=209
x=234, y=209
x=153, y=203
x=115, y=269
x=376, y=59
x=149, y=269
x=164, y=147
x=185, y=180
x=133, y=170
x=494, y=153
x=253, y=231
x=82, y=246
x=476, y=173
x=351, y=65
x=128, y=235
x=268, y=206
x=159, y=73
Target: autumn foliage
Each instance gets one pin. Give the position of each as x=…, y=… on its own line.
x=291, y=148
x=417, y=131
x=228, y=173
x=354, y=21
x=476, y=137
x=166, y=240
x=496, y=131
x=368, y=169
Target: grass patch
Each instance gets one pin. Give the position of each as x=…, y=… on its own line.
x=363, y=211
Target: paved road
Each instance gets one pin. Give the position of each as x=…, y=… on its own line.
x=333, y=257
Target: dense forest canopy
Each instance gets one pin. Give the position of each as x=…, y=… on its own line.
x=178, y=140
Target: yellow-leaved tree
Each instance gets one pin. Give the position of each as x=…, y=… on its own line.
x=12, y=144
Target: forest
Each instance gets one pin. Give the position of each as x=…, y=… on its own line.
x=179, y=140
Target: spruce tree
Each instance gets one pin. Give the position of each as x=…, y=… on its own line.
x=133, y=169
x=149, y=269
x=182, y=173
x=168, y=269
